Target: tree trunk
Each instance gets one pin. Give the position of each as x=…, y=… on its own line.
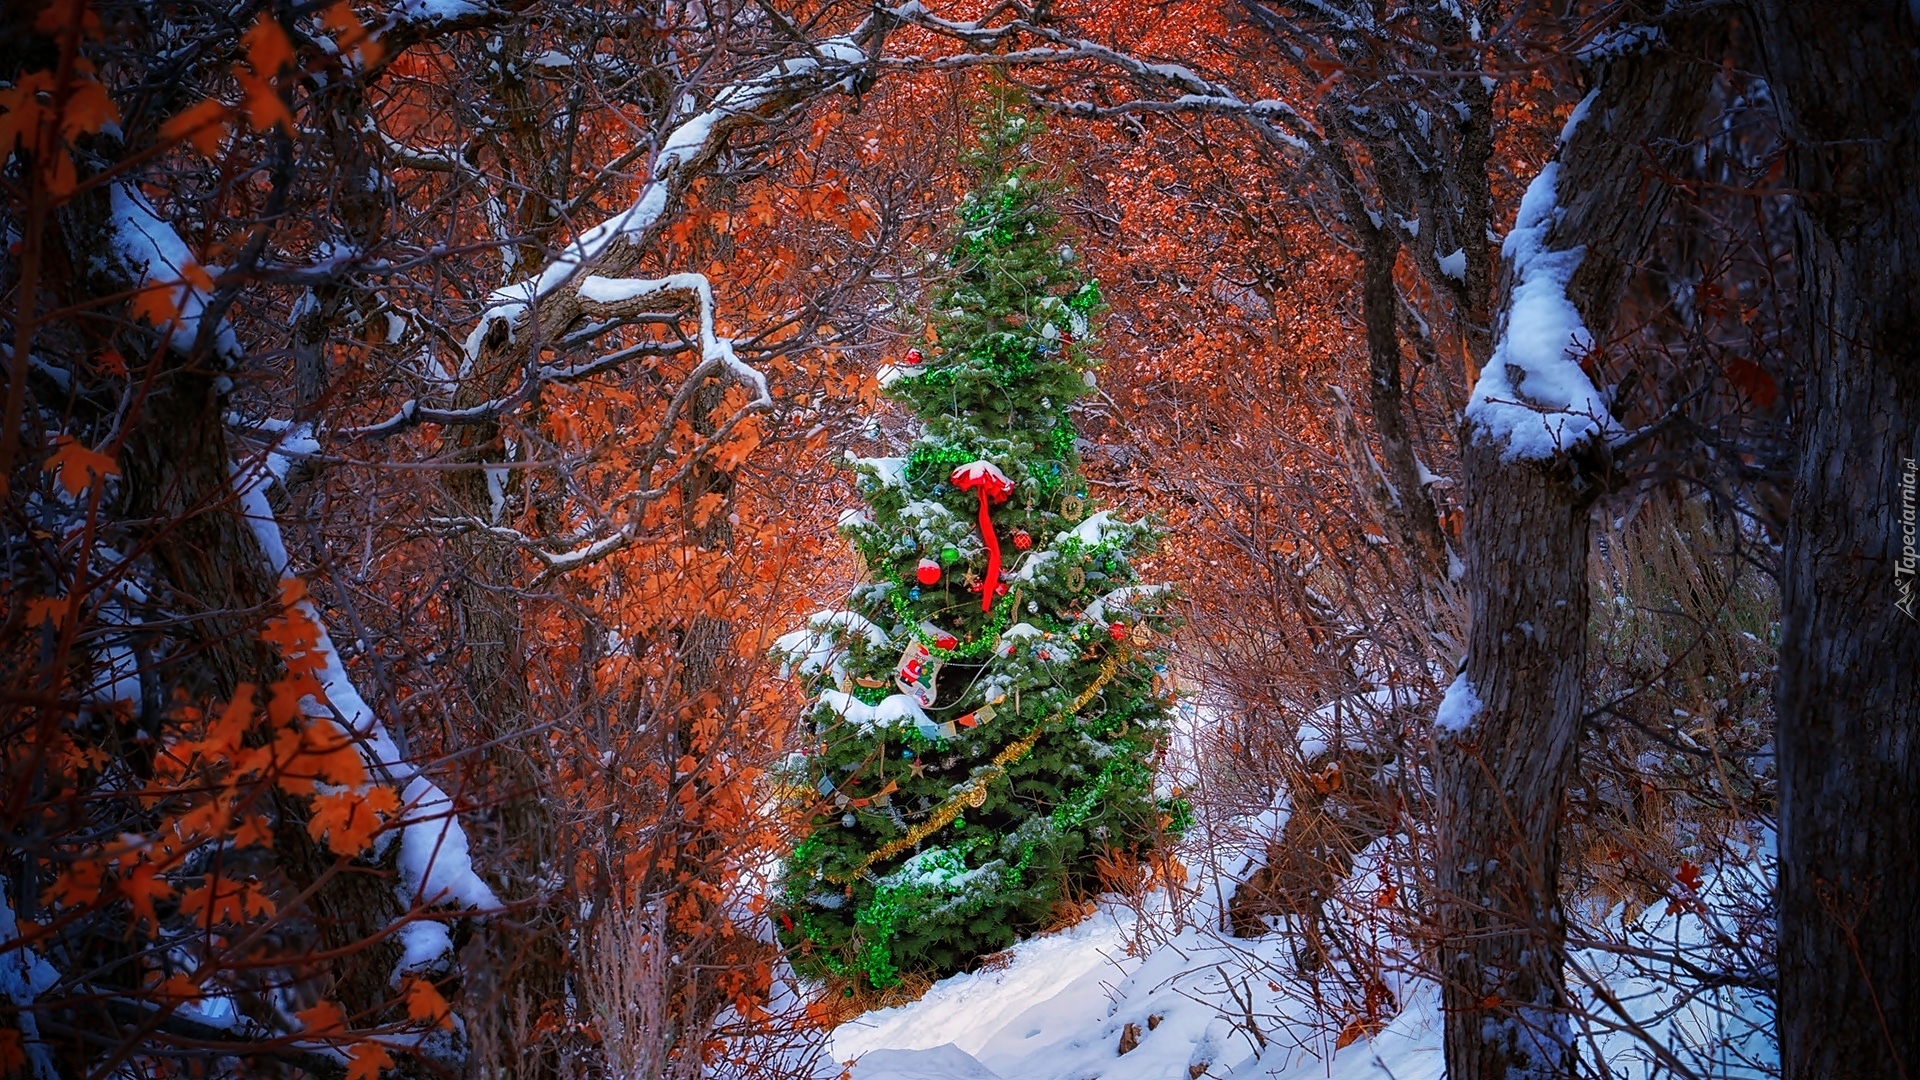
x=1502, y=771
x=521, y=971
x=176, y=462
x=1413, y=512
x=1846, y=78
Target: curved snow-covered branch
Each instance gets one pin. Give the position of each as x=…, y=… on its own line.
x=1276, y=120
x=612, y=247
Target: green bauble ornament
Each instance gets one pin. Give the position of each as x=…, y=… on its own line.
x=949, y=555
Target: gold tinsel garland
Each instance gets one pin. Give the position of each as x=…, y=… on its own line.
x=975, y=791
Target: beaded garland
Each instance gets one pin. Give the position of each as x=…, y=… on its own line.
x=956, y=804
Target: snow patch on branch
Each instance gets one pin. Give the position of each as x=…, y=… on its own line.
x=1129, y=601
x=1533, y=395
x=432, y=11
x=821, y=644
x=1619, y=42
x=890, y=471
x=1579, y=113
x=159, y=259
x=892, y=709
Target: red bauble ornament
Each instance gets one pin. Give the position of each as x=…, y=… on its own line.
x=1021, y=540
x=914, y=357
x=928, y=572
x=1117, y=631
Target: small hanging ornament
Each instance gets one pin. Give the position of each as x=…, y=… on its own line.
x=1076, y=578
x=913, y=594
x=848, y=820
x=949, y=555
x=1021, y=539
x=914, y=358
x=1117, y=631
x=928, y=572
x=1142, y=636
x=1072, y=507
x=916, y=672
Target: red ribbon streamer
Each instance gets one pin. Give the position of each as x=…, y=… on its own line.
x=993, y=553
x=994, y=487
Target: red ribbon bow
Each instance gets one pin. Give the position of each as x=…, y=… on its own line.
x=994, y=487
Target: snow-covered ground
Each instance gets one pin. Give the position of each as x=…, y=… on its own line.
x=1205, y=1004
x=1059, y=1008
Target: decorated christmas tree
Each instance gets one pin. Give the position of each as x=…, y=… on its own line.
x=988, y=706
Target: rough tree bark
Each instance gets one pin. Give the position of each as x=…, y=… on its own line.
x=1412, y=510
x=1502, y=774
x=1846, y=77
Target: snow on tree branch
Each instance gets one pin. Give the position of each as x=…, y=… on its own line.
x=162, y=264
x=1534, y=396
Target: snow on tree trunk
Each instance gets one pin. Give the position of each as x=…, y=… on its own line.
x=1536, y=453
x=1849, y=690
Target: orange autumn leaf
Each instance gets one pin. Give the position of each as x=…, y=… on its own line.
x=142, y=886
x=79, y=465
x=325, y=1018
x=329, y=757
x=196, y=275
x=263, y=105
x=203, y=125
x=23, y=113
x=88, y=109
x=268, y=50
x=728, y=456
x=76, y=886
x=47, y=609
x=349, y=819
x=154, y=305
x=425, y=1003
x=180, y=987
x=224, y=900
x=366, y=1060
x=253, y=832
x=349, y=33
